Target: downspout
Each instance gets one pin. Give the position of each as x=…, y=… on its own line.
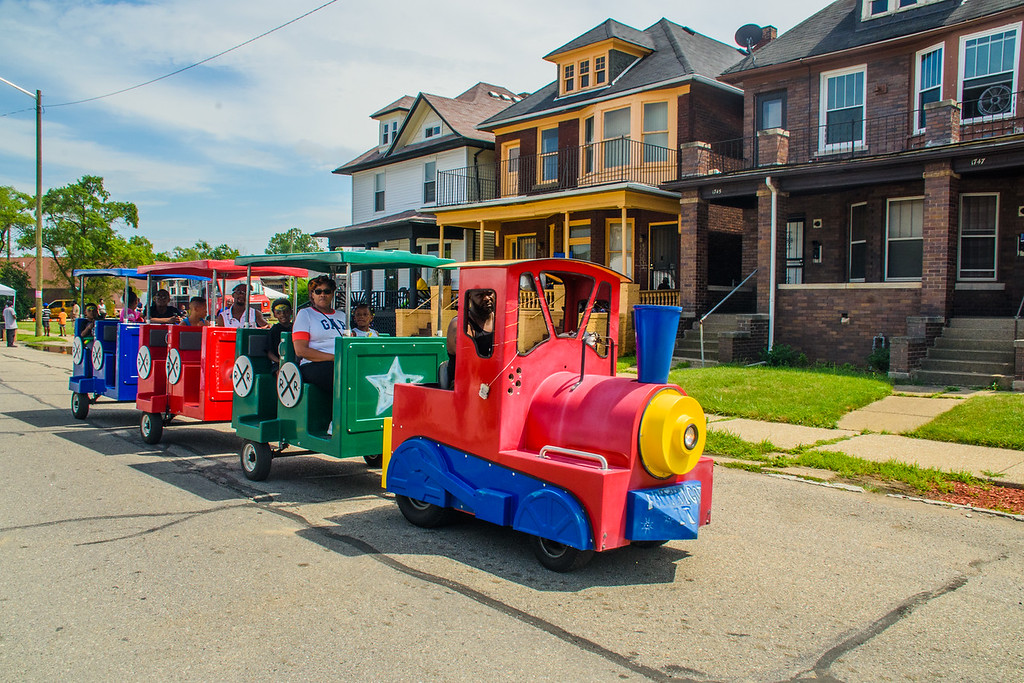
x=772, y=266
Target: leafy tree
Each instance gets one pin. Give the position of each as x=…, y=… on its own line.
x=12, y=275
x=293, y=241
x=81, y=226
x=15, y=214
x=201, y=250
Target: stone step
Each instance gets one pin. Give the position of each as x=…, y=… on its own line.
x=1003, y=325
x=694, y=361
x=971, y=355
x=1001, y=345
x=974, y=367
x=693, y=345
x=963, y=379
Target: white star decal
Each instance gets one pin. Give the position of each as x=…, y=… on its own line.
x=385, y=384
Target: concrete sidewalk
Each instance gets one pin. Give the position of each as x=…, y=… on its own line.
x=872, y=433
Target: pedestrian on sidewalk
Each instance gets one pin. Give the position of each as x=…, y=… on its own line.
x=10, y=323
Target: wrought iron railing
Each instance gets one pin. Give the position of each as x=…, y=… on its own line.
x=598, y=163
x=877, y=136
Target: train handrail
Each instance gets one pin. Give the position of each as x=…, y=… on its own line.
x=579, y=454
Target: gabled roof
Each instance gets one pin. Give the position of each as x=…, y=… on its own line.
x=840, y=27
x=462, y=114
x=403, y=103
x=678, y=53
x=606, y=30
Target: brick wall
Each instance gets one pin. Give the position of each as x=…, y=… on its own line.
x=1018, y=375
x=938, y=277
x=745, y=343
x=710, y=114
x=810, y=320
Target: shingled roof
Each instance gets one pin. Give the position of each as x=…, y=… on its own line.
x=462, y=114
x=840, y=27
x=403, y=103
x=678, y=52
x=609, y=28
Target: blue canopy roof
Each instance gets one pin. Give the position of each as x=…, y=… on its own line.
x=130, y=273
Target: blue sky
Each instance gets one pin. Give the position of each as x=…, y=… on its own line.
x=243, y=147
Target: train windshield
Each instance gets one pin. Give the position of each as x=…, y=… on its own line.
x=562, y=303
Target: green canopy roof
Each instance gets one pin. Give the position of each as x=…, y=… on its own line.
x=327, y=261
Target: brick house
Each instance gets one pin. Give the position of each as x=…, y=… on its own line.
x=580, y=160
x=879, y=179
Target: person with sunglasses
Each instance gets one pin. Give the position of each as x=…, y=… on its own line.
x=313, y=333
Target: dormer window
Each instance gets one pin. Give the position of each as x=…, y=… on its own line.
x=878, y=8
x=388, y=132
x=432, y=131
x=585, y=73
x=568, y=77
x=599, y=69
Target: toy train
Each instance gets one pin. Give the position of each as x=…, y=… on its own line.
x=538, y=433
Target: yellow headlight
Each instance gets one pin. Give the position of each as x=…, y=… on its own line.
x=672, y=433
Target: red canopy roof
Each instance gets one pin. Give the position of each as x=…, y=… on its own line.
x=225, y=269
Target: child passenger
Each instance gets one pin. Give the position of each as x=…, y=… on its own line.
x=196, y=313
x=362, y=316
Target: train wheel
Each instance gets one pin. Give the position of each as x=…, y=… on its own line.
x=647, y=544
x=426, y=515
x=79, y=405
x=151, y=427
x=374, y=460
x=256, y=459
x=559, y=557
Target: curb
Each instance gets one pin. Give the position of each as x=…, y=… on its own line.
x=957, y=506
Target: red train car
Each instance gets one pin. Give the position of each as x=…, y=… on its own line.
x=537, y=432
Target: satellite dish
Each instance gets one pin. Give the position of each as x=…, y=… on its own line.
x=748, y=36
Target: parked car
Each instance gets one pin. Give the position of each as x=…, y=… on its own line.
x=56, y=306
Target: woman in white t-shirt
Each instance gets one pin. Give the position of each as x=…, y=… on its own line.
x=314, y=331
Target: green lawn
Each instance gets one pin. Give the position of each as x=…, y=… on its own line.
x=812, y=397
x=27, y=329
x=996, y=420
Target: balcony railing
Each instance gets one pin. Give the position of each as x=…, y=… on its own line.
x=599, y=163
x=837, y=141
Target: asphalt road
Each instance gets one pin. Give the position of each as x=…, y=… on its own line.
x=126, y=561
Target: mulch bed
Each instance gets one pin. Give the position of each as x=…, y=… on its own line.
x=1004, y=498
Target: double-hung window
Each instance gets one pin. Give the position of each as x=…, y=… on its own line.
x=616, y=138
x=549, y=155
x=378, y=192
x=858, y=242
x=585, y=73
x=988, y=77
x=929, y=82
x=655, y=131
x=568, y=77
x=430, y=182
x=842, y=109
x=979, y=219
x=599, y=70
x=904, y=247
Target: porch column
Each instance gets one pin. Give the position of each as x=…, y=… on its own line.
x=625, y=266
x=565, y=235
x=693, y=254
x=939, y=239
x=480, y=249
x=766, y=279
x=435, y=302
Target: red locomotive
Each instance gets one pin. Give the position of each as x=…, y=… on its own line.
x=537, y=431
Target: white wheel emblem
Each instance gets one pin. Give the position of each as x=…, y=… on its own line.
x=289, y=385
x=97, y=355
x=144, y=362
x=77, y=351
x=242, y=376
x=173, y=366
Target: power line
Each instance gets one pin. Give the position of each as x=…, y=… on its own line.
x=199, y=63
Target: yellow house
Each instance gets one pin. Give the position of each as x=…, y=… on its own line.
x=578, y=163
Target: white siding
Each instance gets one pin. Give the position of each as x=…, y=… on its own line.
x=403, y=186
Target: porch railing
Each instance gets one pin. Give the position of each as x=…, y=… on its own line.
x=599, y=163
x=871, y=137
x=659, y=297
x=704, y=317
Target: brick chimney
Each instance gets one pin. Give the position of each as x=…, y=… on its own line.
x=768, y=34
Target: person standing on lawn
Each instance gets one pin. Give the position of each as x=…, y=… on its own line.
x=62, y=320
x=10, y=323
x=46, y=320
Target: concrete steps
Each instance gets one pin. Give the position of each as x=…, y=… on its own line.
x=688, y=346
x=972, y=352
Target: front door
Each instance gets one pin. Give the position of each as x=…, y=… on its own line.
x=795, y=252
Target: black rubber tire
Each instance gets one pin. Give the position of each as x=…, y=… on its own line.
x=151, y=427
x=559, y=557
x=647, y=544
x=79, y=405
x=255, y=459
x=374, y=461
x=426, y=515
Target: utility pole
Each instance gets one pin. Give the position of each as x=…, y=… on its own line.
x=38, y=97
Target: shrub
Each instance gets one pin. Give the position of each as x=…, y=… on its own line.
x=879, y=360
x=783, y=356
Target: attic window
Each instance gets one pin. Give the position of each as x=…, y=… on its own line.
x=568, y=80
x=432, y=131
x=878, y=8
x=599, y=69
